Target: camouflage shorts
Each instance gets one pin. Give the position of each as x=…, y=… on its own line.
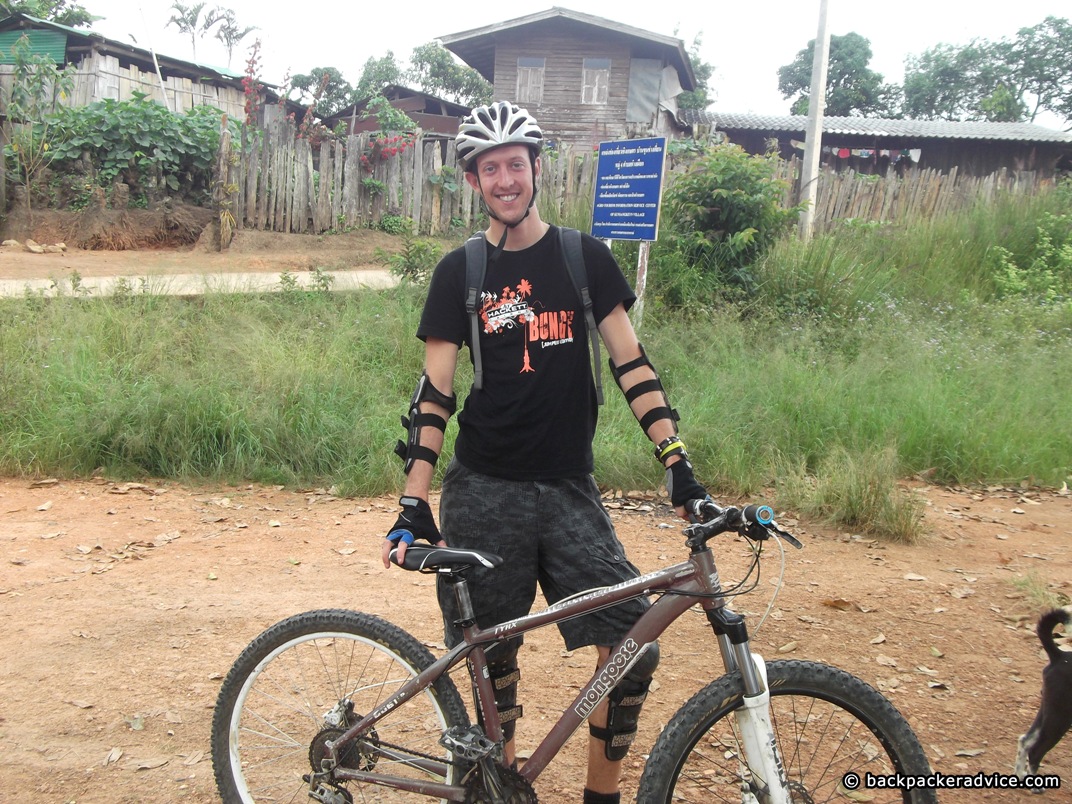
x=556, y=533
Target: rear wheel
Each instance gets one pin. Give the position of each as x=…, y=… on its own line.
x=829, y=725
x=308, y=679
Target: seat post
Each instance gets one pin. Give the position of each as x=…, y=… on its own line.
x=466, y=615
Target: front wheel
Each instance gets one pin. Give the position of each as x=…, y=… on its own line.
x=304, y=682
x=829, y=725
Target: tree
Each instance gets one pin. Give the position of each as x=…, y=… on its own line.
x=699, y=98
x=852, y=88
x=1042, y=58
x=433, y=69
x=325, y=86
x=1008, y=80
x=189, y=21
x=377, y=74
x=949, y=82
x=65, y=12
x=230, y=33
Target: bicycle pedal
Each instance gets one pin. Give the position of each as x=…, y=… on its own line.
x=470, y=743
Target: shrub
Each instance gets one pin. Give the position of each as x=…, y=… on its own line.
x=725, y=210
x=36, y=86
x=395, y=224
x=414, y=262
x=140, y=143
x=1046, y=271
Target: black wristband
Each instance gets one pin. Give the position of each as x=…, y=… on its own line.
x=671, y=445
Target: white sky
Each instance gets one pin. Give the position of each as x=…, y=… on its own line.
x=746, y=42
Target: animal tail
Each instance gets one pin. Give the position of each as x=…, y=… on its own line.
x=1047, y=622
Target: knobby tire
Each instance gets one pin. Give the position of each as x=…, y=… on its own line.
x=827, y=723
x=269, y=722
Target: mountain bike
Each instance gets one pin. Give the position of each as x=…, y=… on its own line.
x=338, y=706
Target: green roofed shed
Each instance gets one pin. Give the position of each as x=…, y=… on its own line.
x=52, y=44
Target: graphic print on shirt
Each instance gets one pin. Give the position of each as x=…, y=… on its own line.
x=515, y=308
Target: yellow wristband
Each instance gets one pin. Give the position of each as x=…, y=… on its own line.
x=671, y=445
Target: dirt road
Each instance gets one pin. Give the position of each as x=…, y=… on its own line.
x=123, y=605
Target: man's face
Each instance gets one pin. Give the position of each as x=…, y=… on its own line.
x=503, y=177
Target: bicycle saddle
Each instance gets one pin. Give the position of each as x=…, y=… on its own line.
x=454, y=558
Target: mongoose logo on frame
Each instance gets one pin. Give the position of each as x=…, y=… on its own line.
x=618, y=665
x=512, y=309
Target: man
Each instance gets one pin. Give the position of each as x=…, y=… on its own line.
x=520, y=482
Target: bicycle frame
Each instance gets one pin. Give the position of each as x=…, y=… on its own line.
x=685, y=584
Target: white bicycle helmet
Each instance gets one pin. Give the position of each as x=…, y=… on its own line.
x=501, y=123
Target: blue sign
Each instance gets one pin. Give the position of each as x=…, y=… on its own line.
x=629, y=181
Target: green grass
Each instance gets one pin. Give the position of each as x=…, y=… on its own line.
x=1040, y=593
x=858, y=362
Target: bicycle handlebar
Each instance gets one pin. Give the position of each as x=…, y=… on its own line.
x=754, y=522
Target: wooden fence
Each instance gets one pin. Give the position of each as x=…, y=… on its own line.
x=925, y=193
x=277, y=182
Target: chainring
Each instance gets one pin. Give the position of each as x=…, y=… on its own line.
x=516, y=788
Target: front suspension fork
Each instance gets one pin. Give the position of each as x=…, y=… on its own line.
x=763, y=777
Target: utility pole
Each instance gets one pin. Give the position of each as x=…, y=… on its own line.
x=156, y=64
x=813, y=135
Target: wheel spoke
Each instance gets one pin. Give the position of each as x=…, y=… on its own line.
x=825, y=722
x=271, y=725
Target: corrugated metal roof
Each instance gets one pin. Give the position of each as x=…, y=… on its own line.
x=42, y=43
x=16, y=24
x=879, y=127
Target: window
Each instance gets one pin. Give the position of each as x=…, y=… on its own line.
x=530, y=79
x=595, y=81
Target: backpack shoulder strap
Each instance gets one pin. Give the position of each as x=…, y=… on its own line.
x=476, y=265
x=570, y=241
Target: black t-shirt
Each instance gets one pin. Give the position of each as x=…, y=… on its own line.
x=535, y=417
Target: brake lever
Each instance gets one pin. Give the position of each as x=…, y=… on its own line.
x=759, y=525
x=789, y=537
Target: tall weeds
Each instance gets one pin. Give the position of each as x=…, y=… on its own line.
x=864, y=357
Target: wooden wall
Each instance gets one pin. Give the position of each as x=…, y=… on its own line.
x=564, y=47
x=100, y=77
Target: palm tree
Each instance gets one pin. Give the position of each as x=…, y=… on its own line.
x=188, y=20
x=230, y=34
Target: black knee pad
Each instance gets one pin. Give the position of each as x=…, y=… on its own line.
x=504, y=675
x=624, y=704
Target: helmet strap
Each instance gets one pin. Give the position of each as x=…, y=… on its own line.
x=502, y=244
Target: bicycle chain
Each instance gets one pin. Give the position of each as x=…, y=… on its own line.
x=518, y=789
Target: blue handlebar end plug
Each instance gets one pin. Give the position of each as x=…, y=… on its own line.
x=764, y=515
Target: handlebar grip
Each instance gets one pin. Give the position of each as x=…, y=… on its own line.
x=760, y=514
x=702, y=510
